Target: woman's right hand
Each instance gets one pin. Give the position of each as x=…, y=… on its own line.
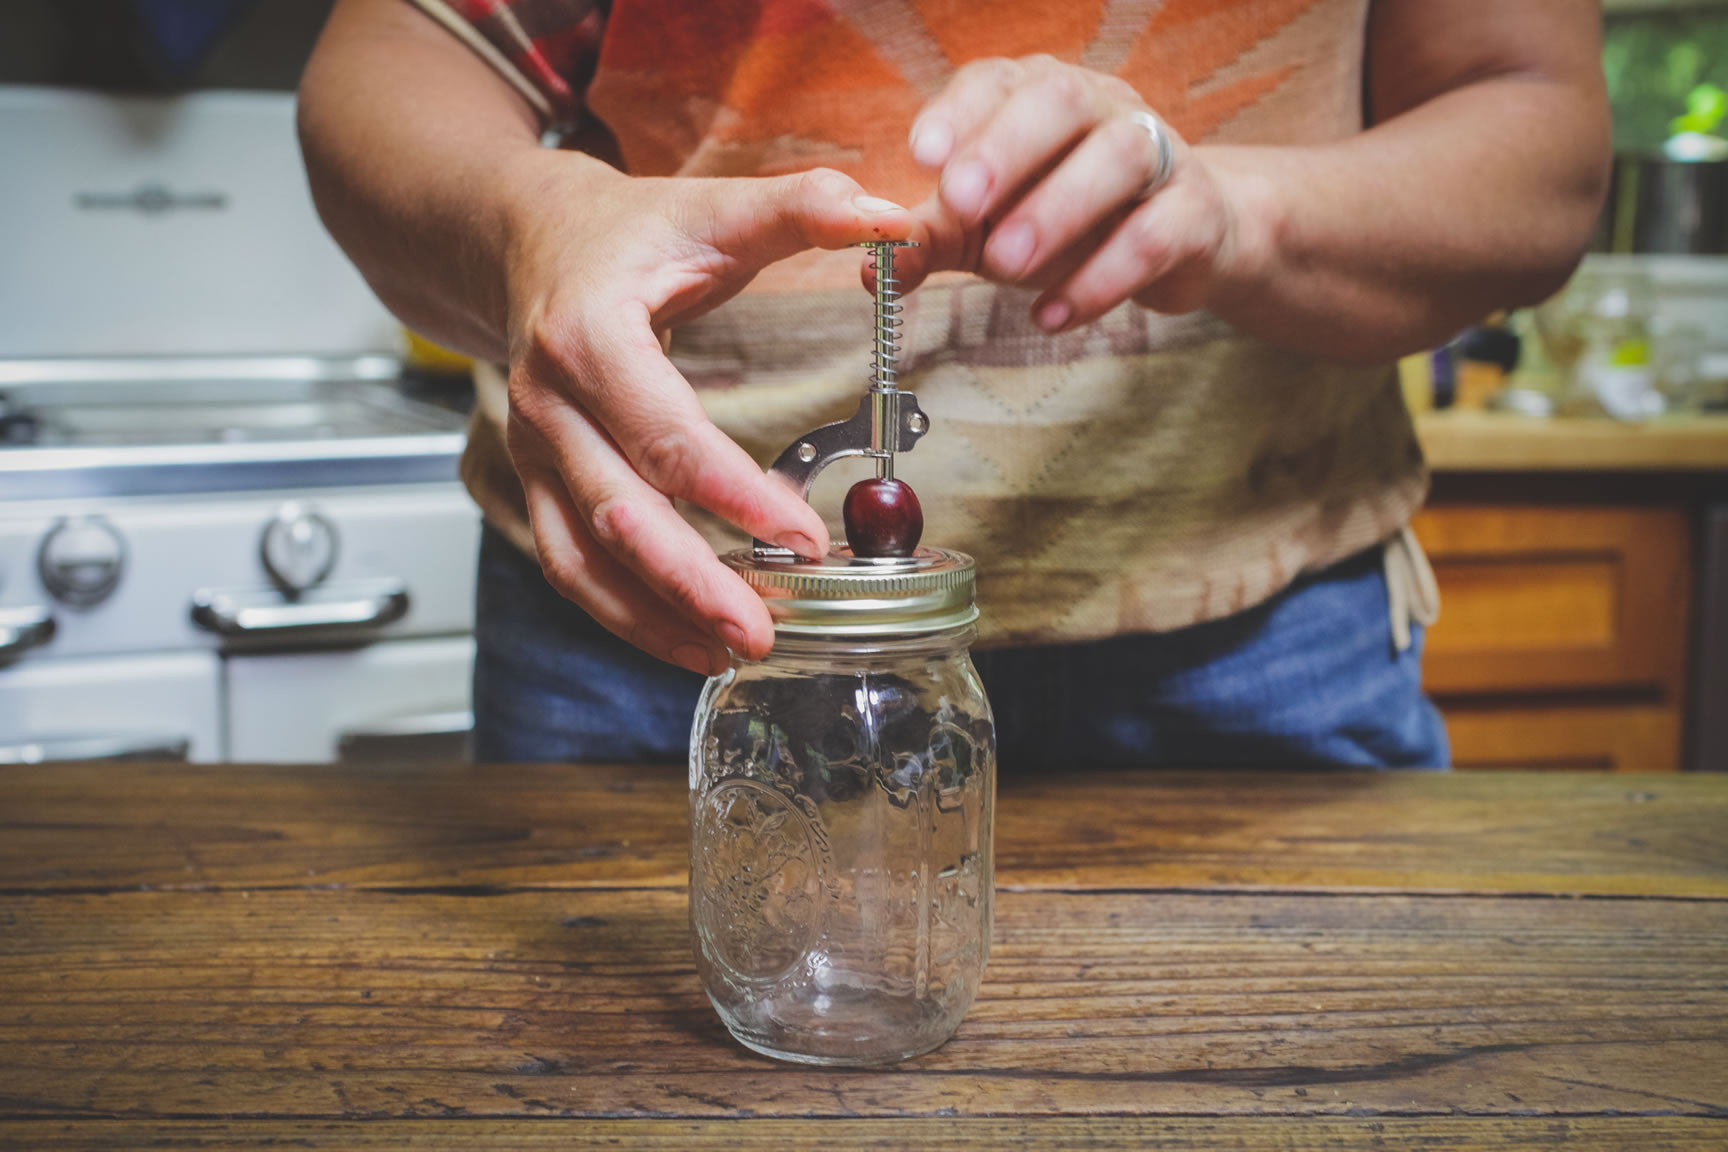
x=605, y=433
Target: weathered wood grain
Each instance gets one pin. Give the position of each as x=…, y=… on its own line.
x=1418, y=832
x=110, y=827
x=353, y=1004
x=948, y=1134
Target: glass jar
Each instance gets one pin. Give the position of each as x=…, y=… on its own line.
x=840, y=808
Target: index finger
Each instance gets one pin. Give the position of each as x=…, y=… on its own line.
x=637, y=526
x=624, y=381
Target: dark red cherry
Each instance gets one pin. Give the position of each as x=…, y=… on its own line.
x=882, y=518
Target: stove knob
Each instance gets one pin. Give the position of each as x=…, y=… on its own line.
x=299, y=548
x=81, y=560
x=17, y=426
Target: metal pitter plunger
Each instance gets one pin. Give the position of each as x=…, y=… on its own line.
x=888, y=421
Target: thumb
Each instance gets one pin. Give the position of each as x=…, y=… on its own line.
x=760, y=221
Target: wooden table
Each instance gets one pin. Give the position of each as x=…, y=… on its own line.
x=487, y=957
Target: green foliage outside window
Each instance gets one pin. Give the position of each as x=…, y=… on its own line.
x=1653, y=64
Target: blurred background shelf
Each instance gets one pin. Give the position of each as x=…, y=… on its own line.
x=1463, y=441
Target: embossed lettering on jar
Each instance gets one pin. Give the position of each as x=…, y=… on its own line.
x=841, y=806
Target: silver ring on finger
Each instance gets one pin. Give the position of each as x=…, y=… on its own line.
x=1164, y=159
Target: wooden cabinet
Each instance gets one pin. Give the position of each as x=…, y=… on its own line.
x=1562, y=639
x=1564, y=737
x=1572, y=623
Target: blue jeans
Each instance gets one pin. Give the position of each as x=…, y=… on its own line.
x=1309, y=678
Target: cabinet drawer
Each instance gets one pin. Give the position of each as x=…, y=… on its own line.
x=1572, y=738
x=1543, y=599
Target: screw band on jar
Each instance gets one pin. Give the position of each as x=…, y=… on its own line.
x=844, y=595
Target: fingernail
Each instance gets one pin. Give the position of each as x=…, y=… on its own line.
x=1053, y=315
x=1011, y=248
x=931, y=143
x=875, y=204
x=734, y=636
x=697, y=658
x=801, y=544
x=964, y=189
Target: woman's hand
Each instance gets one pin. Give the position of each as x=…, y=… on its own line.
x=604, y=432
x=1047, y=180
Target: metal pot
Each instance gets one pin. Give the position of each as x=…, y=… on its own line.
x=1658, y=205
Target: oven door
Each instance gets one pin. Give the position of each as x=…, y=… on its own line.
x=395, y=700
x=155, y=707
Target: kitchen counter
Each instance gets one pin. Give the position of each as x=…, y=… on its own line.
x=456, y=956
x=1472, y=441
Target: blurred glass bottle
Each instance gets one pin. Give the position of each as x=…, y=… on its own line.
x=1598, y=333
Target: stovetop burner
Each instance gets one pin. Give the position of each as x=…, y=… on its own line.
x=123, y=427
x=247, y=413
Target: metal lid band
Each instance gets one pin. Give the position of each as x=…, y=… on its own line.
x=844, y=595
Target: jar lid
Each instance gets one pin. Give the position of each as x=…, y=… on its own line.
x=846, y=595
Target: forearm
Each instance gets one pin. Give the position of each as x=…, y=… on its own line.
x=414, y=147
x=1396, y=239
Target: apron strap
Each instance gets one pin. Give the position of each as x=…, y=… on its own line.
x=1412, y=593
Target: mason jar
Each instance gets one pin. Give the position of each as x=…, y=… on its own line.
x=841, y=795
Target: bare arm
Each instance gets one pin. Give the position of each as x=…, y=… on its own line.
x=408, y=139
x=1476, y=189
x=425, y=166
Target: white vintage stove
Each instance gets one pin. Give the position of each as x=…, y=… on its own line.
x=226, y=529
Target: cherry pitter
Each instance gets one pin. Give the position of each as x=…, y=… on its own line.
x=879, y=579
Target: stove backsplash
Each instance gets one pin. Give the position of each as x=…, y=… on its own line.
x=137, y=226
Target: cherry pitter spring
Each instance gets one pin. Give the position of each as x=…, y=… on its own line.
x=841, y=789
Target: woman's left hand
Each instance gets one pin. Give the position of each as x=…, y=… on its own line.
x=1049, y=178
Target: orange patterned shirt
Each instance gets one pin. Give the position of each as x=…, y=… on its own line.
x=1142, y=473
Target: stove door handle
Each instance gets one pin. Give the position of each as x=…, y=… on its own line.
x=229, y=613
x=423, y=736
x=22, y=629
x=60, y=749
